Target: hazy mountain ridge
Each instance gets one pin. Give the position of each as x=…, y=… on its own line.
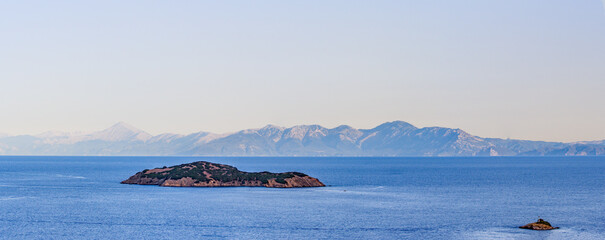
x=389, y=139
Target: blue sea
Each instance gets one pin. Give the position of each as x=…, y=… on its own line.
x=366, y=198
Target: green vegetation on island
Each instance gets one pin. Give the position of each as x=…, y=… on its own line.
x=207, y=174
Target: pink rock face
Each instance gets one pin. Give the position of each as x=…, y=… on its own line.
x=295, y=181
x=205, y=174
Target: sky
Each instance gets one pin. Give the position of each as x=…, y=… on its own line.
x=524, y=69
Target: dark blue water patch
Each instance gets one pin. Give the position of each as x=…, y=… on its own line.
x=368, y=198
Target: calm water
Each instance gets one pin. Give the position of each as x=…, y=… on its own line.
x=367, y=198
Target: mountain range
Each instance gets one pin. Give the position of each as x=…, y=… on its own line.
x=396, y=138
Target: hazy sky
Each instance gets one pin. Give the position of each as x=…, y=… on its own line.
x=499, y=68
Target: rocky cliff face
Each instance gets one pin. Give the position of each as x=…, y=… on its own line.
x=206, y=174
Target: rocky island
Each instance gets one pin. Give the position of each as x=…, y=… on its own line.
x=539, y=225
x=207, y=174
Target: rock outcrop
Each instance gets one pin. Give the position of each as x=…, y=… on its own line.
x=207, y=174
x=539, y=225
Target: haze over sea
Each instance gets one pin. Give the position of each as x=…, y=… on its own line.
x=379, y=198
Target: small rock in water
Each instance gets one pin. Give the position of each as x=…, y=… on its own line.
x=539, y=225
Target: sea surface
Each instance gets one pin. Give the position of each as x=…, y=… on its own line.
x=366, y=198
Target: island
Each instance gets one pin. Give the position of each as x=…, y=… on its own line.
x=539, y=225
x=207, y=174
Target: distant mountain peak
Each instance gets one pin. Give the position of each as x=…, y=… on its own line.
x=395, y=124
x=121, y=131
x=271, y=126
x=123, y=125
